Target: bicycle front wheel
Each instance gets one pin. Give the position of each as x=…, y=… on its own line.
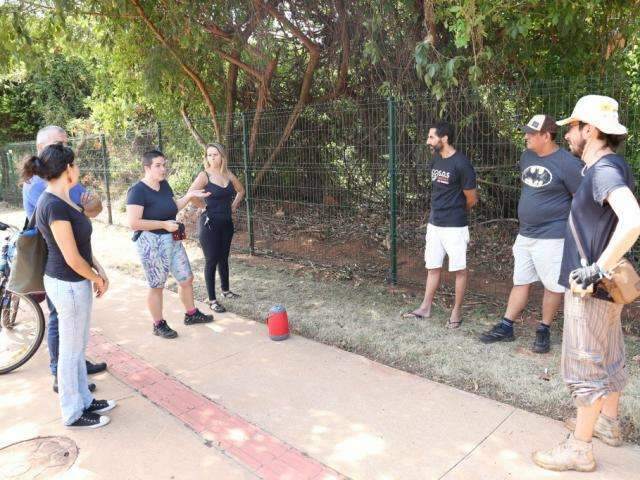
x=21, y=330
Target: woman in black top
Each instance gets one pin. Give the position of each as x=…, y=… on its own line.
x=70, y=271
x=215, y=226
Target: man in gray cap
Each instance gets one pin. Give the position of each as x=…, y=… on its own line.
x=603, y=226
x=550, y=176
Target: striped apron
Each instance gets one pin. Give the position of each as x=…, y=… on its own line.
x=593, y=353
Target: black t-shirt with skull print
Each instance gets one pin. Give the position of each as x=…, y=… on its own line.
x=548, y=185
x=449, y=177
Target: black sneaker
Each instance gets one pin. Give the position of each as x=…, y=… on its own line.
x=499, y=333
x=95, y=367
x=92, y=386
x=542, y=343
x=163, y=330
x=101, y=406
x=90, y=420
x=197, y=317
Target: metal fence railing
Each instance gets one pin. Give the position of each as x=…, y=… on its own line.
x=348, y=188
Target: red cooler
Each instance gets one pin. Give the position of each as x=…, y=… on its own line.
x=278, y=323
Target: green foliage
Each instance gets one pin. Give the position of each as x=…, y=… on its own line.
x=51, y=93
x=487, y=42
x=18, y=120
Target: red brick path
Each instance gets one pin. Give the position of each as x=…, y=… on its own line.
x=257, y=450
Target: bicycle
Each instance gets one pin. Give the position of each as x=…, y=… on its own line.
x=22, y=323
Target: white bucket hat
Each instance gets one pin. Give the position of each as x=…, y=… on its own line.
x=599, y=111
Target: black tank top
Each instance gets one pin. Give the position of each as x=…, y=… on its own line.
x=220, y=200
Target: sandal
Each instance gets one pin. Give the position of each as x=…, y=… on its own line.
x=453, y=325
x=413, y=315
x=230, y=294
x=216, y=307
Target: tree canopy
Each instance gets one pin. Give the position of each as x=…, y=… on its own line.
x=113, y=63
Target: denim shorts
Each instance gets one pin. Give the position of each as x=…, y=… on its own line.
x=161, y=254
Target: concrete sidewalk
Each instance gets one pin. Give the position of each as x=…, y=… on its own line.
x=217, y=390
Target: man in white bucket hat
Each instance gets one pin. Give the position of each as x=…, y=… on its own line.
x=605, y=220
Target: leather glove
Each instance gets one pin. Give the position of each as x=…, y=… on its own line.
x=587, y=276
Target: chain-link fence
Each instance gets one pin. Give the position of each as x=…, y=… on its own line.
x=347, y=187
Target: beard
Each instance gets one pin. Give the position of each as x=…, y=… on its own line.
x=577, y=149
x=436, y=148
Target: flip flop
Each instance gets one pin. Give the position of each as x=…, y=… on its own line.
x=414, y=315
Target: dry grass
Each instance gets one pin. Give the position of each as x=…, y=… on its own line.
x=365, y=318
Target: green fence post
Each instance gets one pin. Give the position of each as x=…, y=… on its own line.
x=12, y=179
x=160, y=139
x=393, y=232
x=247, y=177
x=5, y=174
x=106, y=175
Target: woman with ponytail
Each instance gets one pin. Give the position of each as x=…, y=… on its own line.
x=71, y=272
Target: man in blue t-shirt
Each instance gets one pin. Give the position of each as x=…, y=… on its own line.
x=453, y=194
x=603, y=226
x=92, y=206
x=550, y=177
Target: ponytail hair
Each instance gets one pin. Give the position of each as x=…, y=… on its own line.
x=50, y=164
x=30, y=167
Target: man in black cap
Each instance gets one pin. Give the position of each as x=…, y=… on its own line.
x=550, y=177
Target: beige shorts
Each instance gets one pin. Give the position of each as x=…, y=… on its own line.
x=538, y=259
x=449, y=241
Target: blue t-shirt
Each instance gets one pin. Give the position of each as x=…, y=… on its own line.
x=50, y=209
x=593, y=217
x=548, y=185
x=158, y=205
x=33, y=188
x=449, y=177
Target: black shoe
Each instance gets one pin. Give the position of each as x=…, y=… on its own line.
x=230, y=294
x=216, y=307
x=499, y=333
x=92, y=386
x=163, y=330
x=542, y=344
x=95, y=367
x=90, y=420
x=101, y=406
x=197, y=317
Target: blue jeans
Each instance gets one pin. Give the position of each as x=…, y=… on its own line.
x=73, y=301
x=53, y=338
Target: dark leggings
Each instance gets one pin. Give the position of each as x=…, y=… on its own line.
x=215, y=240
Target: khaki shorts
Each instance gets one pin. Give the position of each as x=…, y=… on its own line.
x=449, y=241
x=538, y=259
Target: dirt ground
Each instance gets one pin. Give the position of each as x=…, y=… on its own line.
x=350, y=312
